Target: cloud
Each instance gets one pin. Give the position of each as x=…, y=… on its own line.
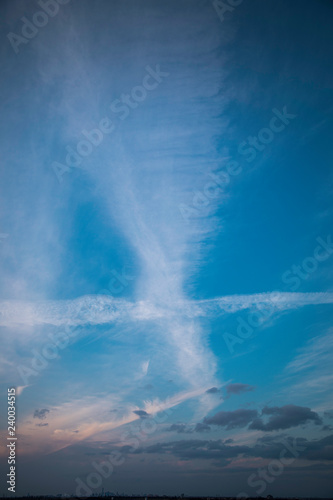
x=285, y=417
x=182, y=335
x=101, y=309
x=91, y=417
x=232, y=419
x=238, y=388
x=213, y=390
x=141, y=413
x=193, y=449
x=276, y=301
x=41, y=414
x=223, y=453
x=317, y=351
x=185, y=429
x=144, y=368
x=200, y=427
x=42, y=425
x=166, y=250
x=319, y=449
x=20, y=389
x=310, y=371
x=180, y=428
x=312, y=450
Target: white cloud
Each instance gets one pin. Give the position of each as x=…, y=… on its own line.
x=309, y=374
x=177, y=327
x=101, y=309
x=318, y=351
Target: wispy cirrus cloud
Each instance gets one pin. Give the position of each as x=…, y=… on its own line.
x=180, y=328
x=89, y=419
x=310, y=371
x=316, y=352
x=100, y=309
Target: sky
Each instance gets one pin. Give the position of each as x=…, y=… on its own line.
x=166, y=246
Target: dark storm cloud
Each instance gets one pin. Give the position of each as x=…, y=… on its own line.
x=213, y=390
x=270, y=439
x=127, y=449
x=180, y=428
x=285, y=417
x=320, y=450
x=199, y=449
x=222, y=453
x=41, y=414
x=238, y=388
x=214, y=450
x=155, y=448
x=232, y=419
x=313, y=450
x=202, y=427
x=141, y=413
x=184, y=429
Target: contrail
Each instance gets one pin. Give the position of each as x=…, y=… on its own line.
x=101, y=309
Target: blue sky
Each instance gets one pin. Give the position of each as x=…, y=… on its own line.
x=166, y=248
